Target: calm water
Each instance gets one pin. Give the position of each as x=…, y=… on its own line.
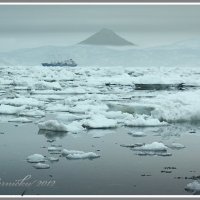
x=118, y=171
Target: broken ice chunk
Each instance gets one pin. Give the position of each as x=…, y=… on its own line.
x=41, y=166
x=35, y=158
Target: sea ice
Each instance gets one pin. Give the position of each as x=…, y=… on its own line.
x=176, y=146
x=20, y=119
x=89, y=155
x=35, y=158
x=137, y=134
x=75, y=127
x=99, y=121
x=10, y=110
x=53, y=125
x=67, y=152
x=41, y=166
x=53, y=159
x=193, y=187
x=20, y=101
x=143, y=120
x=155, y=146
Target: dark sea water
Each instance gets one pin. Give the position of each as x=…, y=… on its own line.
x=119, y=171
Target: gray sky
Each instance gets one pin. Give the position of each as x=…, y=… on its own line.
x=24, y=26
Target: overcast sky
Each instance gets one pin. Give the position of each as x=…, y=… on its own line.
x=24, y=26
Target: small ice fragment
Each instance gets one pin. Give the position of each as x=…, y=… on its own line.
x=193, y=187
x=66, y=152
x=89, y=155
x=53, y=149
x=132, y=145
x=20, y=119
x=41, y=166
x=137, y=134
x=176, y=146
x=53, y=125
x=53, y=159
x=100, y=122
x=155, y=146
x=35, y=158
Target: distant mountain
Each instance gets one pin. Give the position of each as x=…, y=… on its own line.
x=106, y=37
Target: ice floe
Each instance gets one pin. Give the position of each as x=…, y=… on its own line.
x=137, y=134
x=52, y=159
x=143, y=120
x=21, y=101
x=66, y=152
x=54, y=149
x=11, y=110
x=74, y=154
x=20, y=119
x=193, y=187
x=36, y=158
x=176, y=146
x=41, y=166
x=99, y=121
x=87, y=155
x=154, y=146
x=53, y=125
x=75, y=127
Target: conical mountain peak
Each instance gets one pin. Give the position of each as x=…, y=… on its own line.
x=106, y=37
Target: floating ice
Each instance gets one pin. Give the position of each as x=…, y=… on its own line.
x=66, y=117
x=53, y=159
x=176, y=146
x=20, y=119
x=67, y=152
x=58, y=107
x=143, y=120
x=54, y=149
x=41, y=166
x=53, y=125
x=155, y=146
x=21, y=101
x=193, y=187
x=137, y=134
x=43, y=85
x=100, y=121
x=35, y=158
x=88, y=155
x=10, y=110
x=75, y=127
x=88, y=107
x=32, y=113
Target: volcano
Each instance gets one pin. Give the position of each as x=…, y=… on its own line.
x=106, y=37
